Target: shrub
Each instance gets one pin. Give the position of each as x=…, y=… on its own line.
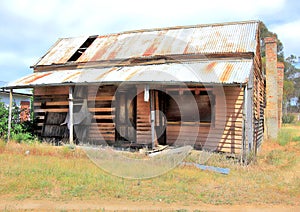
x=23, y=137
x=288, y=118
x=3, y=119
x=20, y=131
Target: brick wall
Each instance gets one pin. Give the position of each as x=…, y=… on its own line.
x=271, y=115
x=280, y=75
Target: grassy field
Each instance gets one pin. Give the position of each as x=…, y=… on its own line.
x=59, y=174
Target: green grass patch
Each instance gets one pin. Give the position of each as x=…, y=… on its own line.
x=296, y=138
x=66, y=174
x=287, y=135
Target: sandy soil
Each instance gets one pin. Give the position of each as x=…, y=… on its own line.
x=113, y=205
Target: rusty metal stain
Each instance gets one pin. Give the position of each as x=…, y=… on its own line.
x=31, y=79
x=226, y=73
x=185, y=51
x=23, y=79
x=71, y=76
x=150, y=50
x=111, y=55
x=104, y=45
x=210, y=66
x=154, y=44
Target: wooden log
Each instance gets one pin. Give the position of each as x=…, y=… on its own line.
x=104, y=117
x=52, y=110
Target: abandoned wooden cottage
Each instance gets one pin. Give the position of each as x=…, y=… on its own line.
x=199, y=85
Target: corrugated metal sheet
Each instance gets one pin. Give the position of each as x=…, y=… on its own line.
x=201, y=39
x=62, y=50
x=226, y=72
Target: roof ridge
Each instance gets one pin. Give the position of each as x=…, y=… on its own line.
x=186, y=27
x=173, y=28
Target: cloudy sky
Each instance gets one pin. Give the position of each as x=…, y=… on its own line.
x=28, y=28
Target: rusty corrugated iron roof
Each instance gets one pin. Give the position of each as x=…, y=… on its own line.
x=62, y=50
x=217, y=71
x=238, y=37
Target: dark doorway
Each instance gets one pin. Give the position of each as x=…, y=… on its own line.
x=159, y=99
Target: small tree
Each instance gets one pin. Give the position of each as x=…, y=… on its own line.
x=19, y=131
x=3, y=120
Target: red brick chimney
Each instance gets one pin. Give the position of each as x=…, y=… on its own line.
x=271, y=115
x=280, y=72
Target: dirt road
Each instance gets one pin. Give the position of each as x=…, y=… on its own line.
x=115, y=205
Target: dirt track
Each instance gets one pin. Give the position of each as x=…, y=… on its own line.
x=40, y=205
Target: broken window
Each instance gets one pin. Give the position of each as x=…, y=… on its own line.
x=82, y=48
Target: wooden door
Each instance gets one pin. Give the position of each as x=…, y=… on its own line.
x=126, y=115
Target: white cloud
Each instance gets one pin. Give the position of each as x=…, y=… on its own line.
x=82, y=15
x=7, y=56
x=36, y=24
x=289, y=34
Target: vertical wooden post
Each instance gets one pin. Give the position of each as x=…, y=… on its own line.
x=152, y=118
x=10, y=114
x=71, y=117
x=244, y=129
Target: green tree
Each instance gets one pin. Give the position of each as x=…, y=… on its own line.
x=264, y=32
x=291, y=73
x=288, y=93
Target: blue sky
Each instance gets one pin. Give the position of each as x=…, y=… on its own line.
x=28, y=28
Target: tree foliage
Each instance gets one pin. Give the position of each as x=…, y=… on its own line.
x=291, y=86
x=20, y=131
x=289, y=89
x=264, y=32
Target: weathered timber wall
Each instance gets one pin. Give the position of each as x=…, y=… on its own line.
x=50, y=100
x=101, y=103
x=258, y=102
x=223, y=134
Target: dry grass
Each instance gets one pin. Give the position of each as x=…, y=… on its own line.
x=60, y=173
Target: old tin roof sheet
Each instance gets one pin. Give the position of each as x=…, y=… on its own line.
x=62, y=50
x=238, y=37
x=217, y=71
